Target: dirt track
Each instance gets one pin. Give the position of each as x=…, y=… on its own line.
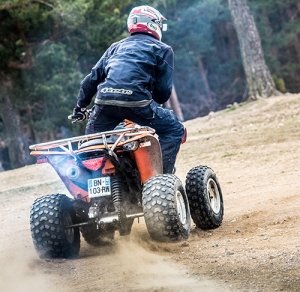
x=255, y=151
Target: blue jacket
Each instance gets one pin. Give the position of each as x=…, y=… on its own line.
x=130, y=73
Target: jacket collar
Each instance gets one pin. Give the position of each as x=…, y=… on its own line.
x=139, y=35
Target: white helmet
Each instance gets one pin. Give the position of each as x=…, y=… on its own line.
x=146, y=19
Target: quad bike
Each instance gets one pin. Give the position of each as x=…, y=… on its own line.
x=114, y=177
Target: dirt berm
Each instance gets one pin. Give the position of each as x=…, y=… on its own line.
x=254, y=148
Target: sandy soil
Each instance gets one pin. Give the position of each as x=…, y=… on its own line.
x=254, y=149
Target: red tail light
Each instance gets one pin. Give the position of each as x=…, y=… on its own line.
x=94, y=164
x=42, y=160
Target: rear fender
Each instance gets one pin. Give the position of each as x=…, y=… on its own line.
x=74, y=177
x=148, y=158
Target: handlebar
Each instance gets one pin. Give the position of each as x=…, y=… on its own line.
x=77, y=117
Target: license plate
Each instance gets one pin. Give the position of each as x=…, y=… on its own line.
x=99, y=187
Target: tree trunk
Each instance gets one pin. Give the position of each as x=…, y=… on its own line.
x=175, y=105
x=203, y=74
x=295, y=41
x=16, y=140
x=259, y=79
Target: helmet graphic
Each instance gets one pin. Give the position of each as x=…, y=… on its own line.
x=146, y=19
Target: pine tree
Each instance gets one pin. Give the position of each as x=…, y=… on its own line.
x=45, y=49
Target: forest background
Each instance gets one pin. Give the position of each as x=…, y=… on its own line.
x=47, y=47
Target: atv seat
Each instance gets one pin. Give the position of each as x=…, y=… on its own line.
x=110, y=140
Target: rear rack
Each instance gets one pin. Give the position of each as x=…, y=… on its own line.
x=134, y=132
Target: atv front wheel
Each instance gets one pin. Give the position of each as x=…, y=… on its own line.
x=50, y=217
x=166, y=208
x=205, y=197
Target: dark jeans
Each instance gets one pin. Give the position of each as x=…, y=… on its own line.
x=167, y=126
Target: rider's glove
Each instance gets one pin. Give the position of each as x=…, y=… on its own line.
x=81, y=114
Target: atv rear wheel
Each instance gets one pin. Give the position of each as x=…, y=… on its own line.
x=49, y=217
x=166, y=209
x=97, y=237
x=205, y=197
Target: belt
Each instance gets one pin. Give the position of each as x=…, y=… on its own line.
x=123, y=103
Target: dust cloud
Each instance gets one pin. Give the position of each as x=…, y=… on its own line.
x=146, y=266
x=19, y=272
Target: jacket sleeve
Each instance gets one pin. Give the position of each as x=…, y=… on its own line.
x=164, y=77
x=88, y=86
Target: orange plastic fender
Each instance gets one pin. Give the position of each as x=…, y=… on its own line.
x=148, y=158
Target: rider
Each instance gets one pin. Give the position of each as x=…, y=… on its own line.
x=132, y=78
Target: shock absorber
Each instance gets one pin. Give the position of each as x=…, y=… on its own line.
x=116, y=189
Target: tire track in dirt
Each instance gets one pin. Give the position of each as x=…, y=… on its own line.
x=132, y=263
